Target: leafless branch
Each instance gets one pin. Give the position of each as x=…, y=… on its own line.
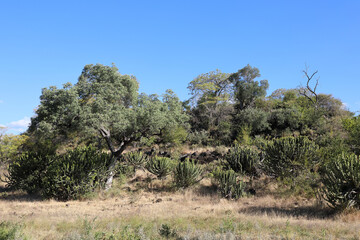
x=305, y=92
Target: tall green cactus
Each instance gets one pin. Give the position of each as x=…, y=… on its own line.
x=243, y=159
x=341, y=181
x=228, y=184
x=288, y=156
x=136, y=159
x=159, y=166
x=187, y=174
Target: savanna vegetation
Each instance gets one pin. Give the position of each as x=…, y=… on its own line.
x=229, y=144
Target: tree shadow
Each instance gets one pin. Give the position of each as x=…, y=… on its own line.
x=11, y=195
x=307, y=212
x=207, y=190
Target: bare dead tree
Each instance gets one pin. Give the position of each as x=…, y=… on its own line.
x=308, y=92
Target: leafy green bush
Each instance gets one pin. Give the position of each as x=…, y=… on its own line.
x=243, y=159
x=198, y=137
x=187, y=174
x=289, y=156
x=175, y=136
x=159, y=166
x=62, y=177
x=341, y=180
x=28, y=172
x=228, y=184
x=136, y=159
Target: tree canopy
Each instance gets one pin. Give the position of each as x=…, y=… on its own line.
x=105, y=103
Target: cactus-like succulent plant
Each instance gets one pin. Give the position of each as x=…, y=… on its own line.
x=187, y=174
x=159, y=166
x=136, y=159
x=243, y=159
x=341, y=180
x=229, y=185
x=288, y=156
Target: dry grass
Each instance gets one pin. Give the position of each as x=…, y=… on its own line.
x=196, y=212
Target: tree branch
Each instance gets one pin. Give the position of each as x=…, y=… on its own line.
x=304, y=93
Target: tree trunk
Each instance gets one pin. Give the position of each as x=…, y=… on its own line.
x=116, y=154
x=111, y=175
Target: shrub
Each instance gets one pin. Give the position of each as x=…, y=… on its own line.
x=243, y=159
x=341, y=180
x=76, y=173
x=198, y=137
x=159, y=166
x=28, y=172
x=289, y=156
x=187, y=174
x=228, y=184
x=62, y=177
x=174, y=136
x=136, y=159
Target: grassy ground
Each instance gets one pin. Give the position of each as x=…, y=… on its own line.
x=135, y=211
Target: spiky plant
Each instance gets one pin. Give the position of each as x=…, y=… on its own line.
x=229, y=185
x=341, y=180
x=136, y=159
x=289, y=156
x=187, y=174
x=243, y=159
x=159, y=166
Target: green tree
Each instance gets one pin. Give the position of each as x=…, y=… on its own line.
x=105, y=103
x=352, y=126
x=10, y=145
x=210, y=103
x=246, y=88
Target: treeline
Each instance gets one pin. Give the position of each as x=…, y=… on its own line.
x=288, y=134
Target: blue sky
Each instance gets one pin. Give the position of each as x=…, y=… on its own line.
x=166, y=44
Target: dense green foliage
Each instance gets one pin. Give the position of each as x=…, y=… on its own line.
x=295, y=135
x=63, y=177
x=160, y=166
x=289, y=156
x=341, y=181
x=187, y=174
x=228, y=184
x=104, y=104
x=352, y=126
x=10, y=145
x=243, y=159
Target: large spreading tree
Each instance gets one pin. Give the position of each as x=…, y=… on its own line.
x=105, y=103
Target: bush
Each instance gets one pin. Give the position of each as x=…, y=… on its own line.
x=228, y=184
x=136, y=159
x=243, y=159
x=159, y=166
x=76, y=173
x=62, y=177
x=175, y=136
x=199, y=137
x=28, y=172
x=289, y=156
x=341, y=180
x=187, y=174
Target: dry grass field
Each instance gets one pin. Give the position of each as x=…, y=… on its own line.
x=132, y=211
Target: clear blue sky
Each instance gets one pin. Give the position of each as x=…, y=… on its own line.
x=166, y=44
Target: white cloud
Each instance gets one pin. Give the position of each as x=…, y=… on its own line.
x=20, y=125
